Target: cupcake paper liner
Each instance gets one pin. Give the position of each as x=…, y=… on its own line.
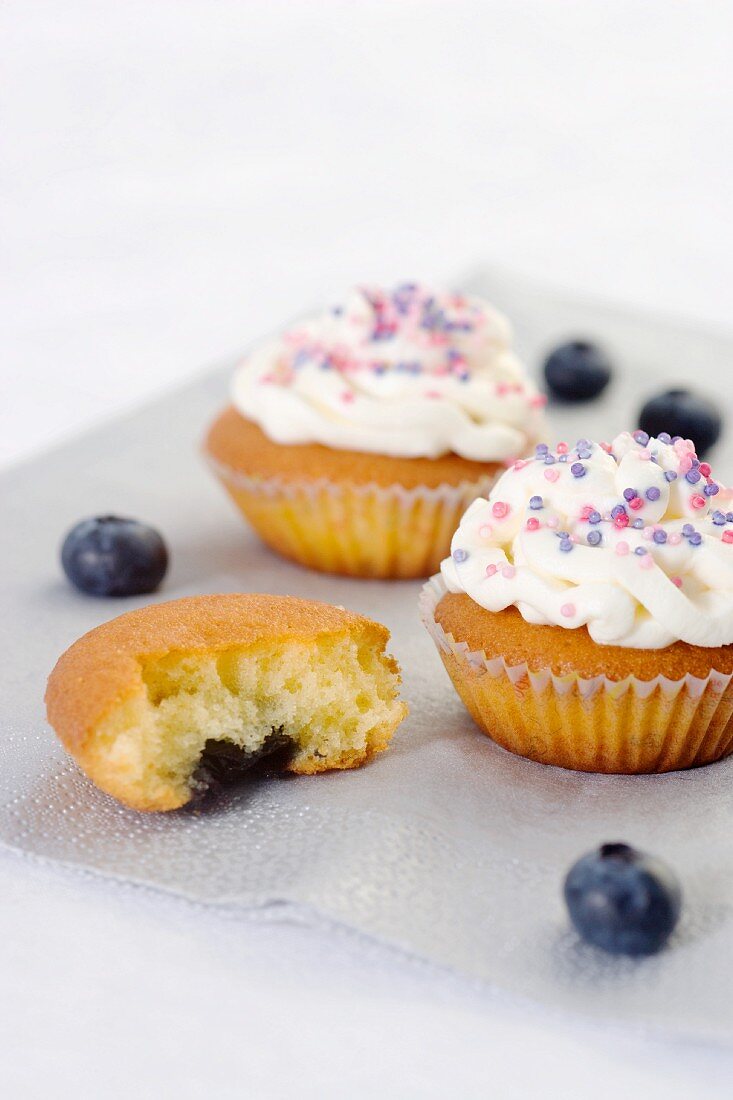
x=597, y=725
x=357, y=530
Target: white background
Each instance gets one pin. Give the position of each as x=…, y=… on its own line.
x=177, y=178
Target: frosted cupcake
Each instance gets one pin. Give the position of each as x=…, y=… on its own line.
x=585, y=615
x=355, y=440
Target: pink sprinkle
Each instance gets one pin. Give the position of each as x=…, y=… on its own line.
x=501, y=388
x=551, y=473
x=508, y=571
x=622, y=549
x=485, y=530
x=562, y=448
x=677, y=581
x=538, y=401
x=675, y=539
x=500, y=509
x=568, y=610
x=727, y=536
x=533, y=524
x=605, y=447
x=432, y=393
x=648, y=532
x=685, y=464
x=705, y=469
x=697, y=501
x=636, y=504
x=645, y=455
x=586, y=511
x=553, y=522
x=621, y=521
x=491, y=570
x=520, y=464
x=347, y=396
x=647, y=562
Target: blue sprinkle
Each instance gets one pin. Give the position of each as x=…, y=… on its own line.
x=641, y=437
x=594, y=517
x=637, y=523
x=660, y=536
x=729, y=517
x=618, y=510
x=718, y=518
x=578, y=469
x=688, y=529
x=695, y=539
x=653, y=493
x=549, y=459
x=629, y=494
x=594, y=537
x=670, y=475
x=563, y=458
x=641, y=550
x=664, y=437
x=693, y=476
x=711, y=490
x=536, y=502
x=566, y=545
x=460, y=555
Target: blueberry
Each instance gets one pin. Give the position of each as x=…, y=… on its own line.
x=110, y=556
x=680, y=412
x=622, y=900
x=577, y=371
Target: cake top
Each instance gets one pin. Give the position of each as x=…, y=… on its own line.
x=404, y=372
x=632, y=539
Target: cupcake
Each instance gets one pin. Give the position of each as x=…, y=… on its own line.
x=585, y=614
x=355, y=440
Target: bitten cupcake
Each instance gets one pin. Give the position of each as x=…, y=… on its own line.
x=355, y=440
x=585, y=615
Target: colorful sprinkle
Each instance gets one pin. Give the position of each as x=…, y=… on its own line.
x=566, y=545
x=491, y=570
x=500, y=509
x=578, y=469
x=594, y=538
x=594, y=517
x=460, y=555
x=622, y=548
x=653, y=493
x=674, y=539
x=568, y=610
x=508, y=571
x=562, y=448
x=551, y=474
x=693, y=476
x=695, y=539
x=533, y=524
x=485, y=530
x=629, y=494
x=647, y=563
x=641, y=437
x=727, y=536
x=670, y=475
x=697, y=501
x=640, y=551
x=660, y=537
x=705, y=469
x=677, y=581
x=636, y=504
x=711, y=490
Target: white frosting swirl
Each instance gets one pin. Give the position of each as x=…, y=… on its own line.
x=632, y=540
x=406, y=373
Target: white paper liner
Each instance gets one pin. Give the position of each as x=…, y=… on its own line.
x=433, y=592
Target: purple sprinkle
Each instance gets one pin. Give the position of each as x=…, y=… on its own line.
x=584, y=453
x=594, y=517
x=618, y=510
x=664, y=437
x=711, y=490
x=629, y=494
x=718, y=518
x=542, y=448
x=460, y=555
x=550, y=460
x=562, y=534
x=578, y=469
x=653, y=493
x=688, y=530
x=563, y=458
x=582, y=444
x=693, y=476
x=676, y=438
x=565, y=545
x=660, y=536
x=641, y=437
x=729, y=517
x=696, y=462
x=637, y=523
x=594, y=537
x=640, y=550
x=695, y=539
x=536, y=502
x=670, y=475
